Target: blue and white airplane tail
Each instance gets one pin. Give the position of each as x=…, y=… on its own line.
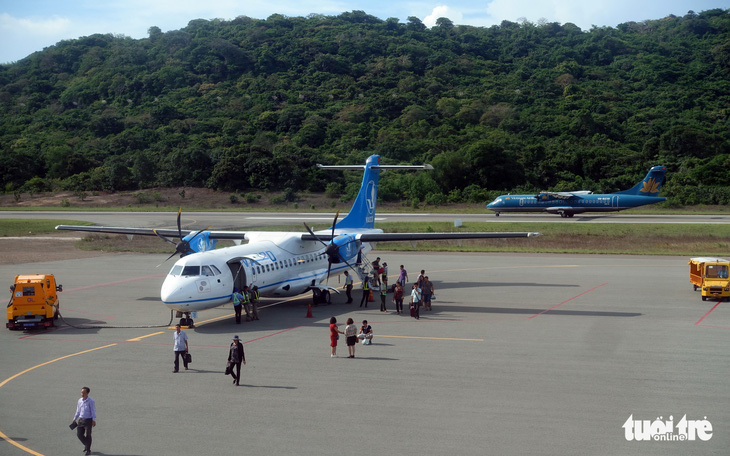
x=651, y=184
x=362, y=214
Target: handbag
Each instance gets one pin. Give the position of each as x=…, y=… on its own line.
x=188, y=358
x=229, y=369
x=73, y=425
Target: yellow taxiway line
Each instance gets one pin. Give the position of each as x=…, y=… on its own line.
x=13, y=442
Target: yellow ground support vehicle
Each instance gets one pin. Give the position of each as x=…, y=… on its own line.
x=34, y=302
x=711, y=276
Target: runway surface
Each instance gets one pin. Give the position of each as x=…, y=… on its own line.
x=522, y=355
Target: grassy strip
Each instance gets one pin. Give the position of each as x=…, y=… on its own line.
x=590, y=238
x=18, y=227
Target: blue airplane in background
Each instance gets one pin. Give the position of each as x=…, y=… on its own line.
x=568, y=204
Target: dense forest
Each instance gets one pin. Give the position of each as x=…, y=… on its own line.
x=252, y=105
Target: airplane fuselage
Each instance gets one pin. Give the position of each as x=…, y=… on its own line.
x=281, y=265
x=575, y=205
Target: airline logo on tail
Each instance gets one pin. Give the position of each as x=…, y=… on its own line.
x=651, y=186
x=372, y=194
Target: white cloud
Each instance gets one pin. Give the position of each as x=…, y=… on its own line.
x=21, y=37
x=443, y=11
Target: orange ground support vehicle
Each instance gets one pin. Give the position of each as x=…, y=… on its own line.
x=33, y=302
x=711, y=276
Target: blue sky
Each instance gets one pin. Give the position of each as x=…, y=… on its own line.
x=27, y=26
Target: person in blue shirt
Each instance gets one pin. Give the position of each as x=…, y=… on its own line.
x=180, y=346
x=85, y=418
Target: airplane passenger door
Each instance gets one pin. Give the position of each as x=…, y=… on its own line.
x=614, y=201
x=238, y=272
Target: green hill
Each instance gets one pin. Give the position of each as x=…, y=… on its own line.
x=254, y=104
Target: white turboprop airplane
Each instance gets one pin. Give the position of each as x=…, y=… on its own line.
x=280, y=264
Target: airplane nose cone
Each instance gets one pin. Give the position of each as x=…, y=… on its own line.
x=172, y=292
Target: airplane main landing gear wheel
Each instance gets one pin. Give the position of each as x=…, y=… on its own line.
x=321, y=296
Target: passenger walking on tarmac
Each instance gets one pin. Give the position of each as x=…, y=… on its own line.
x=366, y=333
x=84, y=418
x=365, y=290
x=180, y=346
x=427, y=291
x=334, y=335
x=415, y=302
x=348, y=287
x=398, y=298
x=383, y=295
x=237, y=304
x=254, y=298
x=351, y=337
x=384, y=275
x=236, y=356
x=403, y=276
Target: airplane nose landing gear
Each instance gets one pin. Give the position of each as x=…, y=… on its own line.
x=185, y=319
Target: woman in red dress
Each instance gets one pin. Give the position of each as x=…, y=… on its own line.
x=334, y=335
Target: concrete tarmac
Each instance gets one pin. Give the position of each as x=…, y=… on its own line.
x=521, y=355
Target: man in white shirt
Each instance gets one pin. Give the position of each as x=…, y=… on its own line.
x=180, y=346
x=85, y=418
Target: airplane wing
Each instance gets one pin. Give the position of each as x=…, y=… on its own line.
x=218, y=235
x=239, y=235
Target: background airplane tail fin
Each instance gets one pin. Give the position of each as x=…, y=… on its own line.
x=651, y=184
x=362, y=214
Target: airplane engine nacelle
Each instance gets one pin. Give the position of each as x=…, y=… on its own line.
x=201, y=242
x=347, y=247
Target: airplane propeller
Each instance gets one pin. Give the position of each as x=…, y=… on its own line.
x=183, y=247
x=332, y=250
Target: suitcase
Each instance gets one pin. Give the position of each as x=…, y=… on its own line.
x=413, y=311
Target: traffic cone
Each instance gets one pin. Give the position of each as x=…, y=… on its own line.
x=370, y=296
x=309, y=311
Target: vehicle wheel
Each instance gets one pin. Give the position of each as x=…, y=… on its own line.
x=695, y=287
x=326, y=297
x=704, y=298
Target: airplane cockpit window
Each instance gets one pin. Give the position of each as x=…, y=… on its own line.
x=191, y=271
x=176, y=270
x=207, y=271
x=216, y=271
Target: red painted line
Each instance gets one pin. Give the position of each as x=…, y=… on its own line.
x=118, y=282
x=568, y=300
x=708, y=313
x=271, y=335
